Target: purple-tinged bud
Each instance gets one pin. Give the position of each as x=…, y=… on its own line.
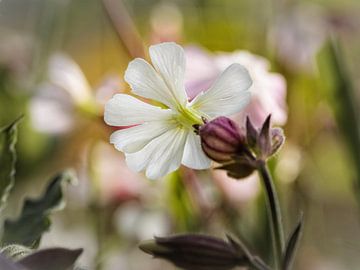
x=200, y=252
x=270, y=140
x=265, y=142
x=221, y=139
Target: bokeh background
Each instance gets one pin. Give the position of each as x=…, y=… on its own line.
x=60, y=60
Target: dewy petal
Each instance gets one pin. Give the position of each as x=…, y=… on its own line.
x=133, y=139
x=125, y=110
x=169, y=60
x=160, y=156
x=194, y=157
x=228, y=95
x=146, y=82
x=64, y=72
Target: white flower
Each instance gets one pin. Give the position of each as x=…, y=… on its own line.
x=163, y=138
x=65, y=92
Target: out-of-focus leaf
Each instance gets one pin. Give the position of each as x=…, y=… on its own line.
x=52, y=258
x=292, y=245
x=15, y=252
x=6, y=264
x=337, y=79
x=181, y=206
x=8, y=138
x=34, y=220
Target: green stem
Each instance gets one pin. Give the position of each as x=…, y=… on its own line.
x=274, y=214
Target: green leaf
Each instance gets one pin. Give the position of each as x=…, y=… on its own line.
x=52, y=258
x=292, y=244
x=8, y=139
x=181, y=206
x=34, y=220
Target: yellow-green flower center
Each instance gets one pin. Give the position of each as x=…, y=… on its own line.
x=188, y=117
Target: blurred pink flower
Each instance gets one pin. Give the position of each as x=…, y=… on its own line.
x=268, y=89
x=116, y=183
x=237, y=191
x=298, y=34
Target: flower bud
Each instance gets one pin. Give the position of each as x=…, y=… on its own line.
x=221, y=139
x=264, y=143
x=200, y=252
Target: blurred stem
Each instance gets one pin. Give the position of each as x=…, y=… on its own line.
x=124, y=27
x=98, y=229
x=346, y=103
x=274, y=213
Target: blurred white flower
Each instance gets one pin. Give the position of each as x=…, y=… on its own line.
x=53, y=108
x=66, y=74
x=268, y=91
x=164, y=138
x=133, y=221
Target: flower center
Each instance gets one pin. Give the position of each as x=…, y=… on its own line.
x=188, y=117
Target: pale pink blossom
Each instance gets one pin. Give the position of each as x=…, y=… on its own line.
x=237, y=191
x=298, y=34
x=115, y=181
x=268, y=89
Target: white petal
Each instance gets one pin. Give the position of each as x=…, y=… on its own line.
x=228, y=95
x=169, y=60
x=146, y=82
x=125, y=110
x=194, y=157
x=64, y=72
x=168, y=157
x=133, y=139
x=160, y=156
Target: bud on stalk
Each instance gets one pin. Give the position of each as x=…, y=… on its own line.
x=239, y=153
